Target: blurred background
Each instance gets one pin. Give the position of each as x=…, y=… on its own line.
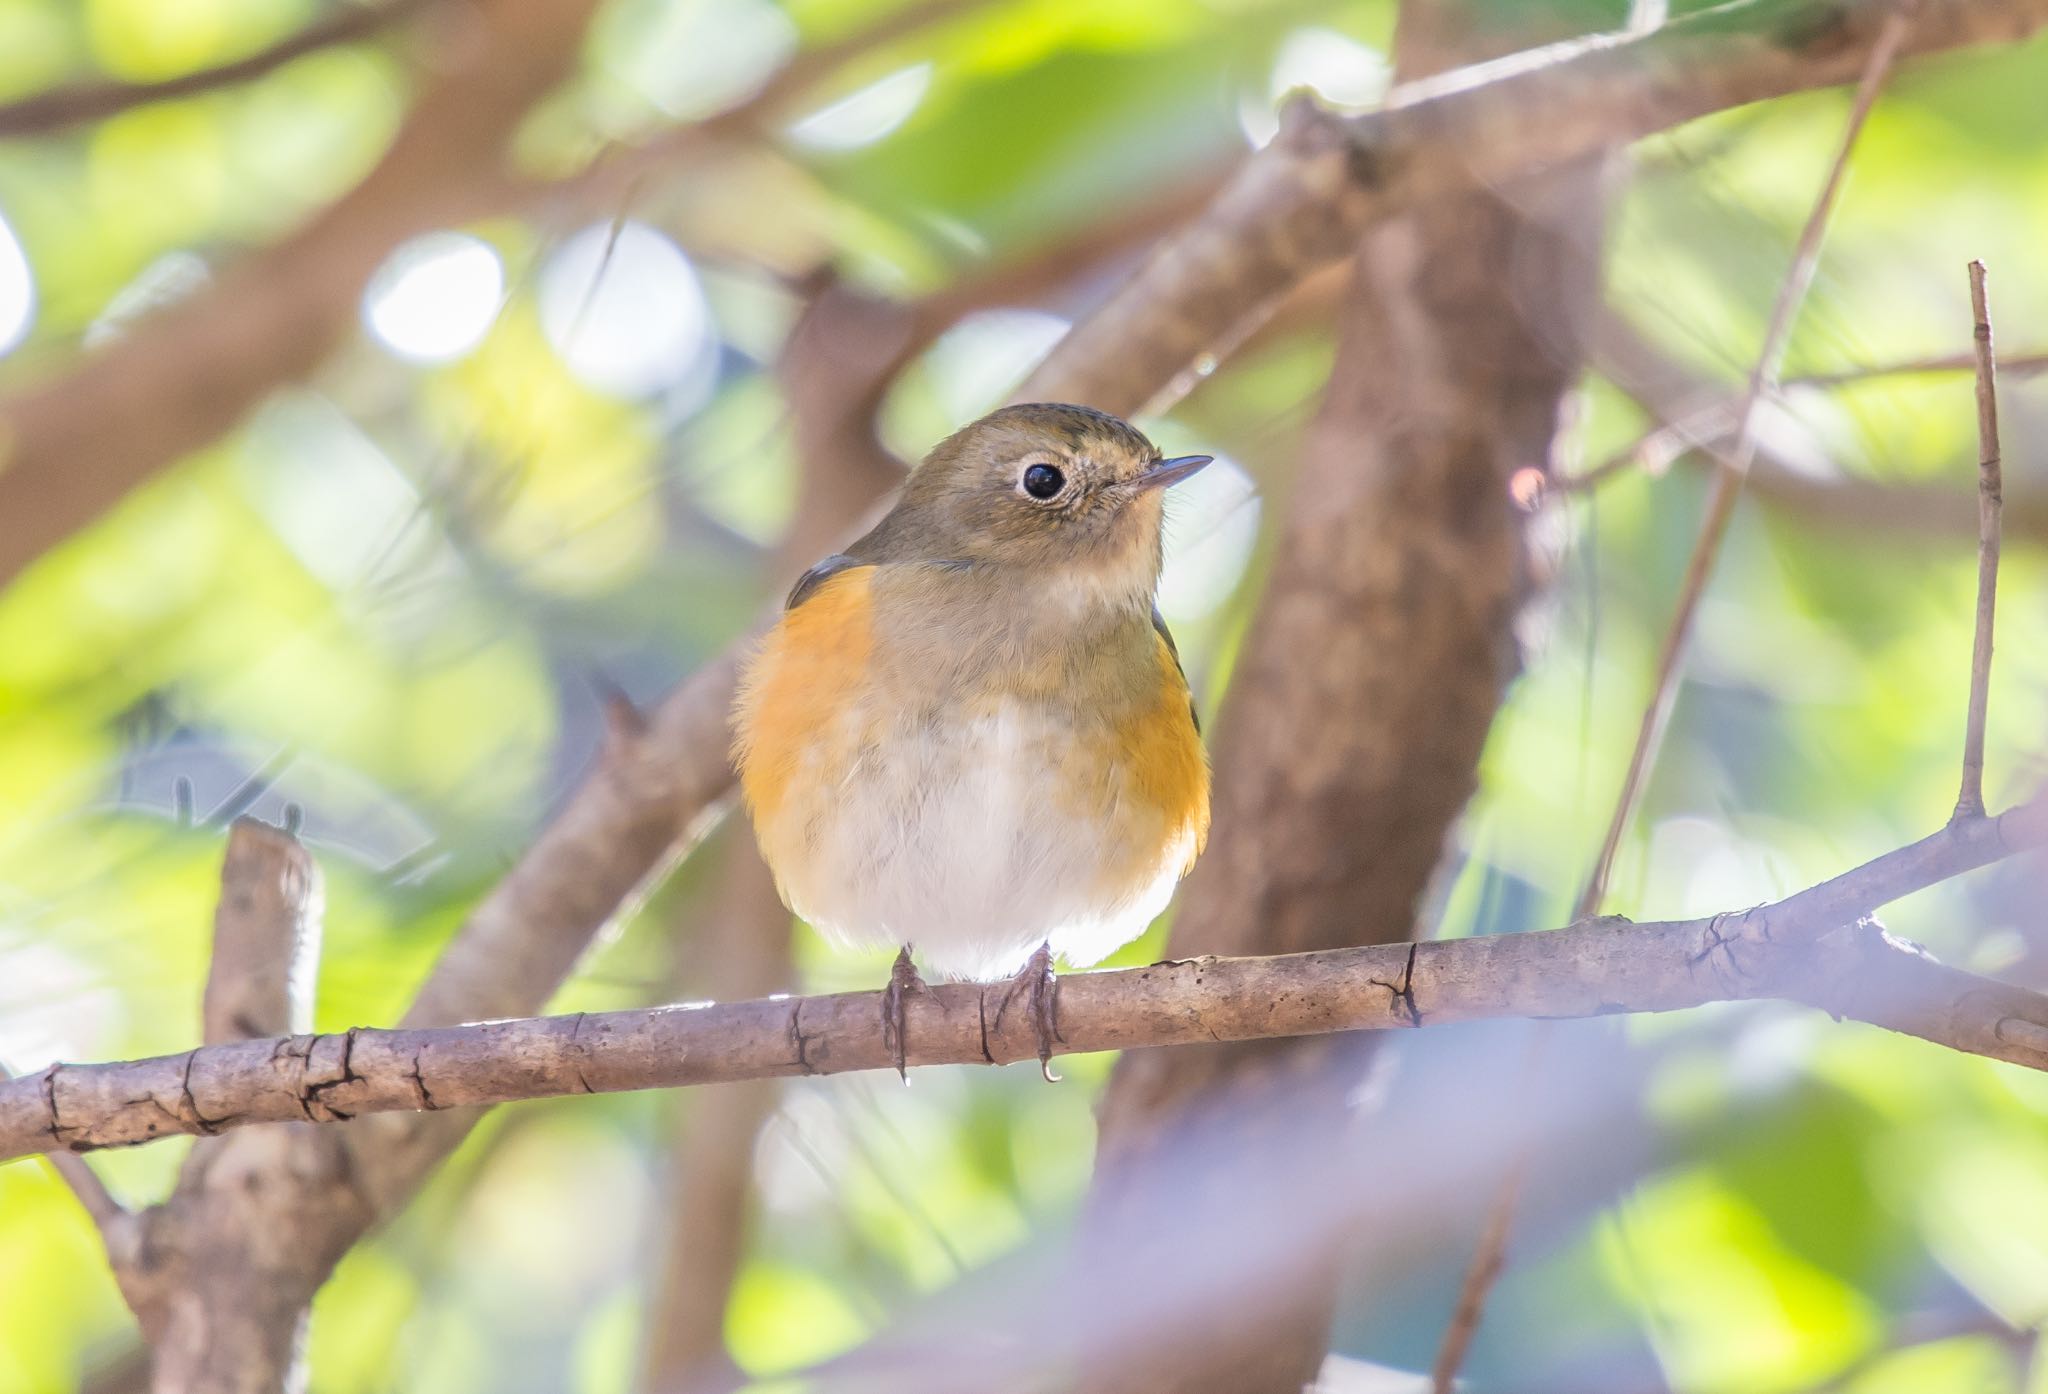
x=557, y=457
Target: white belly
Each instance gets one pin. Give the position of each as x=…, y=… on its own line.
x=966, y=842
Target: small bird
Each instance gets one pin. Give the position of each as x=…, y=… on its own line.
x=970, y=732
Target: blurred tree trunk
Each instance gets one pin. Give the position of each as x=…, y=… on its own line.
x=1362, y=701
x=841, y=356
x=744, y=952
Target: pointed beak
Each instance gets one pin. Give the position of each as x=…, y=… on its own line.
x=1168, y=472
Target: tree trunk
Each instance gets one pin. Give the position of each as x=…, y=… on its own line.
x=1366, y=689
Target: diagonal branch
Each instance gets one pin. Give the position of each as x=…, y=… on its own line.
x=81, y=442
x=81, y=102
x=1303, y=201
x=1695, y=416
x=71, y=447
x=1728, y=480
x=1800, y=948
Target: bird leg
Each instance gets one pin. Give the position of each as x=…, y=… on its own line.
x=1037, y=978
x=903, y=980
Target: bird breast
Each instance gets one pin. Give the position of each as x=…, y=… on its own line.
x=952, y=785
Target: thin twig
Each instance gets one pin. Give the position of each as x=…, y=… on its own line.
x=1819, y=946
x=1487, y=1261
x=1708, y=427
x=2019, y=365
x=1735, y=466
x=1728, y=479
x=1990, y=491
x=44, y=112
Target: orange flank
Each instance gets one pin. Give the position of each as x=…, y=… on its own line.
x=1163, y=752
x=812, y=666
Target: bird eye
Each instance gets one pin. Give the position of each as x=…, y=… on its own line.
x=1043, y=481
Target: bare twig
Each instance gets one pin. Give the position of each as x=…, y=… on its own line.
x=1709, y=426
x=1489, y=1257
x=1735, y=467
x=1990, y=490
x=1819, y=946
x=2018, y=365
x=1303, y=201
x=80, y=102
x=1670, y=392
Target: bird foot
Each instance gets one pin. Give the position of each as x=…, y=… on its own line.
x=1043, y=985
x=903, y=980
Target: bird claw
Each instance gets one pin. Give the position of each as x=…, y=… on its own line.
x=1038, y=978
x=903, y=980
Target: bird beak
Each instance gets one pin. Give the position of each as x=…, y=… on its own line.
x=1169, y=472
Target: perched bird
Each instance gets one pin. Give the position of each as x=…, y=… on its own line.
x=970, y=732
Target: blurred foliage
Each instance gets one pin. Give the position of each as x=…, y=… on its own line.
x=393, y=596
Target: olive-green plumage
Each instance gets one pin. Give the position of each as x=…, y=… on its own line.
x=970, y=731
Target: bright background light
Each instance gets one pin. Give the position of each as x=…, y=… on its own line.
x=1212, y=524
x=1336, y=67
x=627, y=316
x=436, y=297
x=864, y=117
x=17, y=290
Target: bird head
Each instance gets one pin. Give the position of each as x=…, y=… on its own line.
x=1046, y=486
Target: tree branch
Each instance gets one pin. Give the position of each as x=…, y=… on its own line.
x=80, y=102
x=86, y=1186
x=1990, y=492
x=79, y=443
x=73, y=446
x=1819, y=946
x=1302, y=202
x=1728, y=480
x=266, y=937
x=1694, y=418
x=1350, y=739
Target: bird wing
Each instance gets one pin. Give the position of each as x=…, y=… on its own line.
x=807, y=584
x=1173, y=652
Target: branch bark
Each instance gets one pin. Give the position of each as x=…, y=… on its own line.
x=79, y=443
x=266, y=937
x=746, y=952
x=81, y=102
x=1692, y=411
x=1303, y=202
x=73, y=446
x=213, y=1273
x=1819, y=946
x=1358, y=711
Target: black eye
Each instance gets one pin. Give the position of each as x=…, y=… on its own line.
x=1043, y=481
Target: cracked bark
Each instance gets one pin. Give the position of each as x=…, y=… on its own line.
x=215, y=1273
x=743, y=953
x=1358, y=711
x=1819, y=946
